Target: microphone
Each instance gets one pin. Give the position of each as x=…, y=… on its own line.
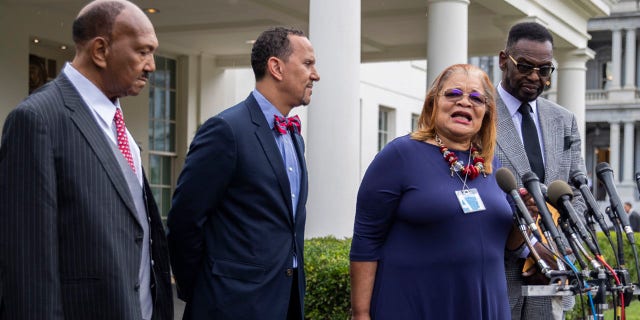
x=532, y=184
x=605, y=175
x=579, y=181
x=560, y=195
x=507, y=182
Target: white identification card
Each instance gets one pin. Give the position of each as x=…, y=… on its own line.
x=470, y=200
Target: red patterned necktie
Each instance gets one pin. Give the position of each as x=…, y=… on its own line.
x=123, y=141
x=283, y=124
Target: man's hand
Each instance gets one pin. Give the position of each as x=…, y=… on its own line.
x=533, y=276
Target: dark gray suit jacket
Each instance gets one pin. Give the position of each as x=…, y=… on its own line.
x=562, y=154
x=232, y=233
x=70, y=243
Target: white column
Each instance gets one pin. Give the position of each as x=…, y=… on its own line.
x=630, y=60
x=616, y=58
x=629, y=150
x=333, y=127
x=637, y=63
x=572, y=75
x=447, y=36
x=614, y=149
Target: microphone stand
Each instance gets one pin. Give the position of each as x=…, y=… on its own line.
x=620, y=246
x=573, y=243
x=544, y=267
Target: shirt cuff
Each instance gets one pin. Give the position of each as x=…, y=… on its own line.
x=526, y=251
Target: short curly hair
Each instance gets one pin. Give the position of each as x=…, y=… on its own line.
x=529, y=31
x=271, y=43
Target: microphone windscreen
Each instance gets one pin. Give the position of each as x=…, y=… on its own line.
x=557, y=189
x=602, y=167
x=506, y=180
x=578, y=178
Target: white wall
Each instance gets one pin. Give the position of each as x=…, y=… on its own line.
x=396, y=85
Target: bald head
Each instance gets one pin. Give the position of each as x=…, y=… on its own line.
x=115, y=43
x=98, y=18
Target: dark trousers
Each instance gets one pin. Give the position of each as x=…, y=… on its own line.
x=294, y=312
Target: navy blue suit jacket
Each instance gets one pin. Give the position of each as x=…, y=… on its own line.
x=232, y=235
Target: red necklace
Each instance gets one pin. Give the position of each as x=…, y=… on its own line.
x=470, y=171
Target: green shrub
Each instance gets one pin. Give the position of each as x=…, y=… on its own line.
x=328, y=287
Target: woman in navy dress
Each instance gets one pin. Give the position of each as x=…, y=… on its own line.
x=431, y=222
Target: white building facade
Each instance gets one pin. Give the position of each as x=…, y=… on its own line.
x=373, y=101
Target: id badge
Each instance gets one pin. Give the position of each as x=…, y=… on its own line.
x=470, y=200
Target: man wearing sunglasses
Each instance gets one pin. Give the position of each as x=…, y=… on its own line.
x=549, y=146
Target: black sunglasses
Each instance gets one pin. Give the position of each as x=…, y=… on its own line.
x=527, y=69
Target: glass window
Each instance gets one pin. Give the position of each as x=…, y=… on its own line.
x=383, y=127
x=162, y=126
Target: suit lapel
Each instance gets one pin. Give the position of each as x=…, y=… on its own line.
x=552, y=136
x=85, y=122
x=509, y=141
x=268, y=143
x=299, y=144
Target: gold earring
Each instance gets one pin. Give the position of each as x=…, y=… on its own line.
x=548, y=83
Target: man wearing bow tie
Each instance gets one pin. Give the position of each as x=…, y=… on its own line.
x=236, y=226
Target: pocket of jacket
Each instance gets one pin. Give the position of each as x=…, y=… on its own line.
x=238, y=270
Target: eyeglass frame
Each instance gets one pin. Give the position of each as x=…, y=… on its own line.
x=463, y=94
x=531, y=69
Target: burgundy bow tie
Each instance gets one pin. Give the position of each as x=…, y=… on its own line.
x=283, y=124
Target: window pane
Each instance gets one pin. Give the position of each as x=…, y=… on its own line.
x=154, y=163
x=150, y=132
x=159, y=136
x=160, y=102
x=166, y=171
x=157, y=193
x=152, y=102
x=165, y=204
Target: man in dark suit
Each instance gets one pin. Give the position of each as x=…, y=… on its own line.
x=236, y=226
x=527, y=64
x=634, y=217
x=80, y=234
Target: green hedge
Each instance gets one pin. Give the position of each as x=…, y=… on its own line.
x=328, y=287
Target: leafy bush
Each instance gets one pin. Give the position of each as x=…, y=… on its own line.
x=328, y=286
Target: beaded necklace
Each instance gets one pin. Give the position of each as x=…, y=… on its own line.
x=456, y=166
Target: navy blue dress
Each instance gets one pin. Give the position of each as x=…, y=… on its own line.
x=434, y=261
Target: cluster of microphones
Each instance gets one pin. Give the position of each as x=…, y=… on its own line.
x=571, y=237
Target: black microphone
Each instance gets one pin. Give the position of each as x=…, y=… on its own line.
x=507, y=182
x=560, y=195
x=532, y=184
x=580, y=182
x=605, y=175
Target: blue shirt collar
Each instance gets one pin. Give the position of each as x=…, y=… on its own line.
x=267, y=108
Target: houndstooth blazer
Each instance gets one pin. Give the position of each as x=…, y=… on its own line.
x=562, y=154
